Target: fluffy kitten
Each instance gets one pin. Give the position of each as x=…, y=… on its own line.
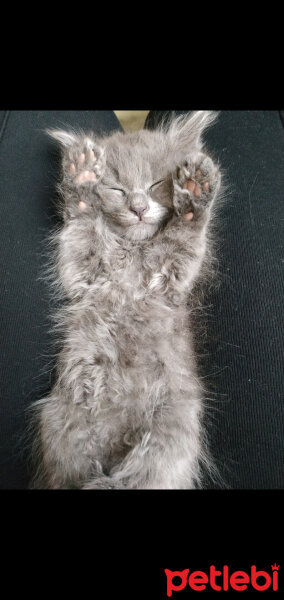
x=126, y=409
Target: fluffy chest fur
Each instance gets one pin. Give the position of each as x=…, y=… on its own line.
x=120, y=315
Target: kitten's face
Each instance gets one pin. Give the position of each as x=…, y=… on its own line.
x=136, y=190
x=136, y=186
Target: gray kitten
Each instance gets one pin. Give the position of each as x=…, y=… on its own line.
x=126, y=410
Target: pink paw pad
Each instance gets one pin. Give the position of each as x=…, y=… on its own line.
x=191, y=186
x=194, y=187
x=82, y=205
x=188, y=216
x=85, y=176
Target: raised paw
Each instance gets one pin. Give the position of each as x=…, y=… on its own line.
x=84, y=162
x=196, y=184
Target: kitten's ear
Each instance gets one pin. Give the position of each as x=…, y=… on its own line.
x=186, y=131
x=65, y=138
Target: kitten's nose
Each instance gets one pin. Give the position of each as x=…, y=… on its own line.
x=138, y=203
x=139, y=210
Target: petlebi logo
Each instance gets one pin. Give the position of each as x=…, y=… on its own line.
x=222, y=580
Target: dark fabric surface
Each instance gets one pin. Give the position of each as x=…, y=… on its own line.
x=247, y=327
x=243, y=352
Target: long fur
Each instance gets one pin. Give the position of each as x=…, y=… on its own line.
x=127, y=407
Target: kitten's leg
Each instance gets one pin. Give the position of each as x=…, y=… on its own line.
x=83, y=167
x=64, y=450
x=196, y=184
x=178, y=250
x=168, y=457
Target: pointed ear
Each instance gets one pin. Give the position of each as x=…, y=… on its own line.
x=65, y=138
x=185, y=132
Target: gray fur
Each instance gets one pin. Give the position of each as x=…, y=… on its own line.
x=127, y=407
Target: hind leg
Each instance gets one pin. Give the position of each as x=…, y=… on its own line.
x=65, y=448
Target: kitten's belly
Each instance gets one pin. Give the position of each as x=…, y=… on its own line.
x=142, y=346
x=125, y=363
x=122, y=350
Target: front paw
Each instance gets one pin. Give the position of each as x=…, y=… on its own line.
x=196, y=184
x=84, y=163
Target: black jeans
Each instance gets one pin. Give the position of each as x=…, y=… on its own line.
x=241, y=357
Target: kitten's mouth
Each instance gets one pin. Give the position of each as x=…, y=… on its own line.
x=138, y=221
x=142, y=220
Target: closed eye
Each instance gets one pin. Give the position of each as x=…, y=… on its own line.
x=157, y=183
x=118, y=190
